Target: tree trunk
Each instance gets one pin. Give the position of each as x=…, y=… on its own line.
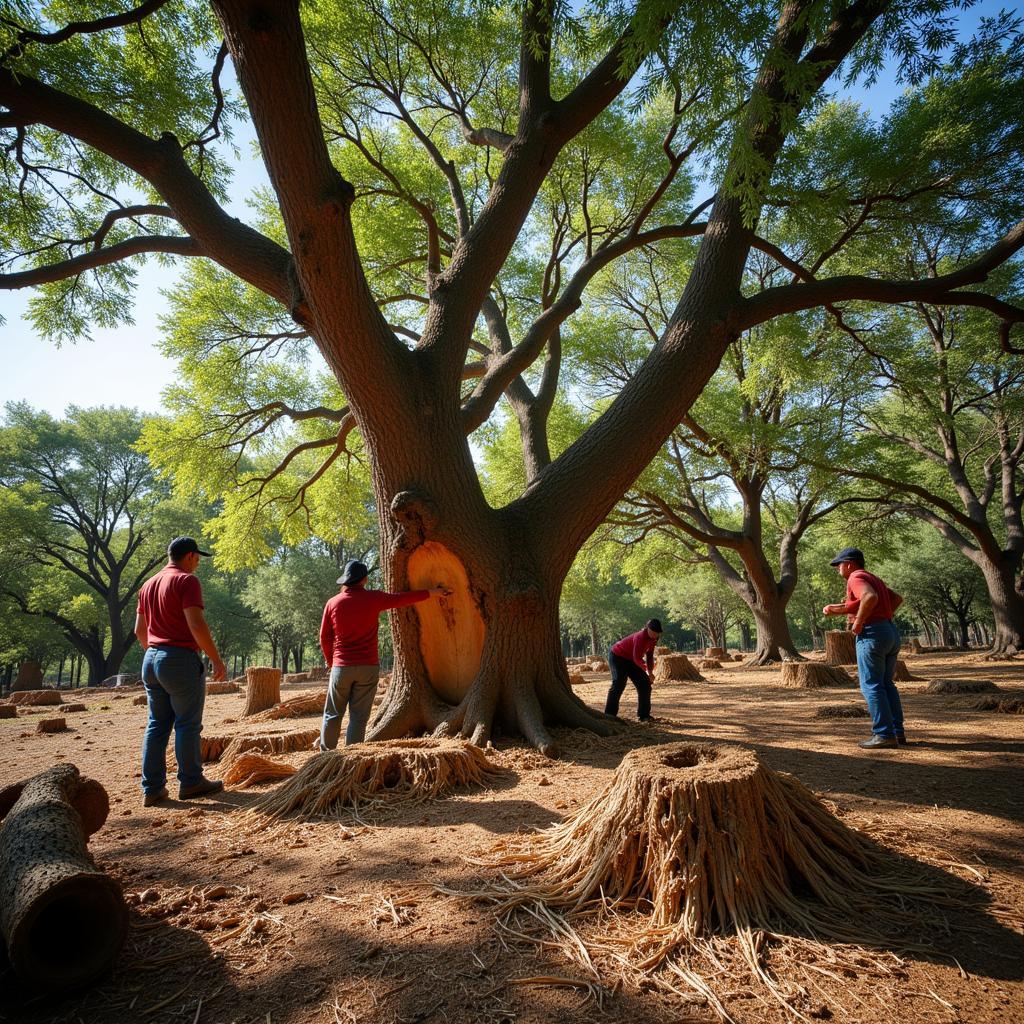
x=63, y=920
x=1007, y=609
x=262, y=689
x=30, y=676
x=595, y=643
x=487, y=659
x=745, y=635
x=840, y=647
x=774, y=640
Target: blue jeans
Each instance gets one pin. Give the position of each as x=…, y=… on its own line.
x=175, y=682
x=352, y=687
x=624, y=670
x=877, y=647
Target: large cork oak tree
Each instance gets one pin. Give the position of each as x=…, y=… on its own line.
x=488, y=657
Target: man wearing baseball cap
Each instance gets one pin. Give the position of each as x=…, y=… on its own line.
x=869, y=609
x=348, y=639
x=632, y=659
x=171, y=628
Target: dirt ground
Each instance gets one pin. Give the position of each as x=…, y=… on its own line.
x=342, y=920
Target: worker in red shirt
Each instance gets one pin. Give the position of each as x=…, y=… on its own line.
x=869, y=609
x=171, y=628
x=348, y=639
x=632, y=658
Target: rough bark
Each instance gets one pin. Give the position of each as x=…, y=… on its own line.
x=840, y=647
x=262, y=690
x=1007, y=609
x=63, y=920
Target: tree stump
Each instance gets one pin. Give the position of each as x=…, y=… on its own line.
x=598, y=665
x=388, y=771
x=811, y=675
x=263, y=689
x=708, y=663
x=64, y=921
x=904, y=675
x=52, y=725
x=222, y=687
x=716, y=653
x=8, y=711
x=577, y=679
x=30, y=676
x=676, y=667
x=692, y=842
x=840, y=647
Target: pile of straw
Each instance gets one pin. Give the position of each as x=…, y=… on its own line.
x=961, y=686
x=294, y=707
x=689, y=844
x=390, y=771
x=841, y=711
x=1006, y=706
x=245, y=770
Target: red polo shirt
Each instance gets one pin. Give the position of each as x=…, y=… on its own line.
x=348, y=632
x=162, y=603
x=887, y=604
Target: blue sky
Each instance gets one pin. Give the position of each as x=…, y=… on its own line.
x=124, y=367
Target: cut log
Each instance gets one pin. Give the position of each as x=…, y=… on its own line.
x=263, y=689
x=53, y=898
x=35, y=698
x=715, y=653
x=812, y=675
x=674, y=667
x=52, y=725
x=840, y=647
x=224, y=686
x=8, y=711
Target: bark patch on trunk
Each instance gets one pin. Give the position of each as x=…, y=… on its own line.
x=451, y=628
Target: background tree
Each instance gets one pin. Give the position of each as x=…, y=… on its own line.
x=490, y=103
x=84, y=524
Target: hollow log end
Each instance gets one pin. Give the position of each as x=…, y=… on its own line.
x=70, y=933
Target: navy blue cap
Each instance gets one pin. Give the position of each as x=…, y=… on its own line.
x=655, y=624
x=849, y=555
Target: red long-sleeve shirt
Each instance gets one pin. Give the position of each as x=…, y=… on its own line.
x=348, y=632
x=638, y=647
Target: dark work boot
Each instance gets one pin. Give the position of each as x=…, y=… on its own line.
x=201, y=788
x=878, y=741
x=901, y=738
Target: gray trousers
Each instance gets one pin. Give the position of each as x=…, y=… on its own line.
x=352, y=687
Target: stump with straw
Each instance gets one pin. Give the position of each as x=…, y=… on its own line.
x=246, y=769
x=294, y=707
x=961, y=686
x=694, y=842
x=673, y=667
x=812, y=675
x=262, y=690
x=408, y=771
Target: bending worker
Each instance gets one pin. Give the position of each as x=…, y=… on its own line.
x=348, y=639
x=632, y=658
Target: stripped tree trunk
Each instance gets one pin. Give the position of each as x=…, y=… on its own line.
x=262, y=690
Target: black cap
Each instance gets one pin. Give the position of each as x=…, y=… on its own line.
x=849, y=555
x=352, y=573
x=182, y=546
x=655, y=624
